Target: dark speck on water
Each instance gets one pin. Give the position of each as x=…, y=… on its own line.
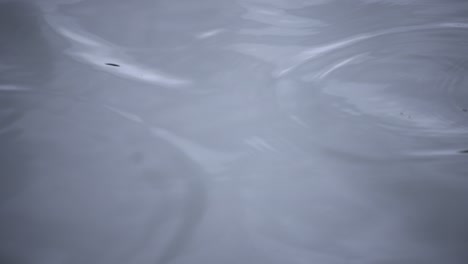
x=113, y=64
x=464, y=151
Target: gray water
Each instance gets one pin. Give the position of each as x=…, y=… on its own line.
x=234, y=131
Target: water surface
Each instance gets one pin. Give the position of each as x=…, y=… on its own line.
x=242, y=131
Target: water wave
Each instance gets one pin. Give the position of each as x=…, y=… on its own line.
x=408, y=79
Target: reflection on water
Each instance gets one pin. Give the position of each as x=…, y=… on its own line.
x=247, y=131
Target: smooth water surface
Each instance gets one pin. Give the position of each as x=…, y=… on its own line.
x=234, y=131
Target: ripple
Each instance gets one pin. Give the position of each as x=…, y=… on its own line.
x=278, y=22
x=313, y=53
x=407, y=79
x=98, y=52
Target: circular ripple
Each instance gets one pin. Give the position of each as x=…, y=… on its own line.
x=409, y=79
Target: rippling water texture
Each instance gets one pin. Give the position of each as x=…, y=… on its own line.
x=234, y=131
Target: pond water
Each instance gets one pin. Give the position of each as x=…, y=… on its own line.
x=234, y=131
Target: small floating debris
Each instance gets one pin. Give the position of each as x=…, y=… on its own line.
x=464, y=151
x=112, y=64
x=464, y=109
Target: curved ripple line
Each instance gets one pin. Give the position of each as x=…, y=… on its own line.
x=339, y=65
x=313, y=53
x=96, y=51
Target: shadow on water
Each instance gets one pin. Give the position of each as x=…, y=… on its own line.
x=49, y=140
x=24, y=51
x=25, y=63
